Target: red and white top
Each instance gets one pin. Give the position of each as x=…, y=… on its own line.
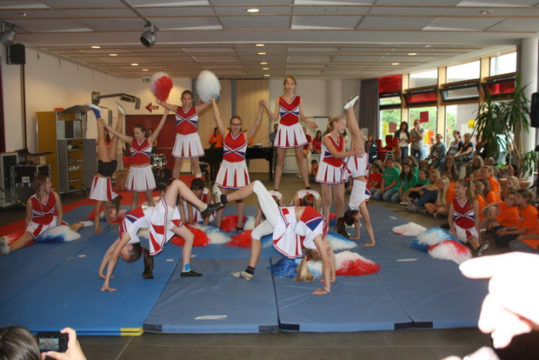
x=326, y=155
x=289, y=111
x=234, y=148
x=186, y=122
x=43, y=213
x=140, y=153
x=464, y=214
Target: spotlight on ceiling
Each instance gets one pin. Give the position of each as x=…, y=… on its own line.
x=148, y=36
x=8, y=34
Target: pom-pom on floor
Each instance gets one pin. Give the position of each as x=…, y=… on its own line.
x=48, y=286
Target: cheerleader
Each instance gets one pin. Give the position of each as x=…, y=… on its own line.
x=293, y=229
x=290, y=134
x=357, y=168
x=233, y=173
x=330, y=171
x=107, y=151
x=140, y=177
x=187, y=145
x=305, y=197
x=43, y=212
x=463, y=215
x=191, y=212
x=163, y=222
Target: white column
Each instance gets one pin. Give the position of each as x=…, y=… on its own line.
x=335, y=97
x=529, y=51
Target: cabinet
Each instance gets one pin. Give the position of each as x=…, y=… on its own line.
x=74, y=160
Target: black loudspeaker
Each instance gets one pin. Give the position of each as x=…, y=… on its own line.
x=534, y=112
x=16, y=54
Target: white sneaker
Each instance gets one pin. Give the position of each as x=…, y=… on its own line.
x=120, y=107
x=96, y=109
x=216, y=193
x=351, y=102
x=4, y=248
x=243, y=274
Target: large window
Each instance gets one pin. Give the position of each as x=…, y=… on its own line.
x=465, y=71
x=503, y=64
x=389, y=122
x=459, y=117
x=424, y=78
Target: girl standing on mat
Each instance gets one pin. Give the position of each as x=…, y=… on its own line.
x=106, y=165
x=357, y=168
x=293, y=229
x=330, y=171
x=187, y=145
x=233, y=173
x=140, y=177
x=163, y=222
x=43, y=212
x=290, y=134
x=463, y=215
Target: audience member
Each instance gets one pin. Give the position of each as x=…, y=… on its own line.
x=390, y=177
x=416, y=139
x=437, y=153
x=403, y=136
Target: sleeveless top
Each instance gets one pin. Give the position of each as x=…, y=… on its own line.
x=463, y=215
x=140, y=153
x=289, y=111
x=43, y=213
x=186, y=122
x=326, y=155
x=234, y=148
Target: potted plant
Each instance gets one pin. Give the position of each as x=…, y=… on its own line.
x=498, y=127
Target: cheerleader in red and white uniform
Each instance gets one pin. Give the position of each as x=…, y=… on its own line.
x=189, y=211
x=43, y=212
x=289, y=112
x=233, y=173
x=187, y=144
x=106, y=165
x=140, y=177
x=293, y=229
x=463, y=215
x=307, y=197
x=332, y=160
x=357, y=168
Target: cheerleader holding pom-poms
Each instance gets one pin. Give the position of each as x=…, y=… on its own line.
x=140, y=177
x=290, y=134
x=233, y=173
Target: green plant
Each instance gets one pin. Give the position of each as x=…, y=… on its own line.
x=499, y=124
x=529, y=163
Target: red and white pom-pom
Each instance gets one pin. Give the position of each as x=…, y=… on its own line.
x=348, y=263
x=410, y=229
x=241, y=240
x=450, y=250
x=201, y=239
x=160, y=85
x=433, y=236
x=230, y=223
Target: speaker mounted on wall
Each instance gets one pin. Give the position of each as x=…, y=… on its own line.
x=534, y=111
x=16, y=54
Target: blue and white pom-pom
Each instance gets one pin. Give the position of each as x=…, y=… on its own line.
x=434, y=236
x=58, y=234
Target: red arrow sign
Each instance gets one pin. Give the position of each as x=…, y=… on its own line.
x=151, y=107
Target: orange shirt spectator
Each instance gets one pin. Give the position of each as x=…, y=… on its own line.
x=493, y=197
x=450, y=194
x=527, y=219
x=480, y=205
x=216, y=139
x=495, y=186
x=508, y=215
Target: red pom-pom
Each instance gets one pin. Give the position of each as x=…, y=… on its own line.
x=201, y=239
x=242, y=240
x=357, y=267
x=332, y=216
x=160, y=85
x=230, y=223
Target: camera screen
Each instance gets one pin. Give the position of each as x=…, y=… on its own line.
x=48, y=344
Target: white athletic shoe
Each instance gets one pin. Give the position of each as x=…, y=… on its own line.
x=4, y=248
x=216, y=193
x=120, y=107
x=96, y=109
x=243, y=274
x=351, y=102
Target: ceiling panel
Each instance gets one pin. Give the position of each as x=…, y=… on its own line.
x=52, y=25
x=394, y=23
x=187, y=23
x=242, y=10
x=463, y=23
x=131, y=24
x=531, y=25
x=176, y=11
x=66, y=4
x=254, y=22
x=326, y=22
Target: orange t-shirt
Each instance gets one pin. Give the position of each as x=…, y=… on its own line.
x=508, y=215
x=527, y=218
x=493, y=197
x=495, y=186
x=217, y=139
x=480, y=205
x=450, y=194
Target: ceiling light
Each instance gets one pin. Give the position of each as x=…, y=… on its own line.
x=412, y=54
x=260, y=45
x=145, y=69
x=428, y=46
x=8, y=34
x=266, y=75
x=265, y=68
x=134, y=64
x=96, y=47
x=113, y=54
x=261, y=53
x=395, y=63
x=24, y=13
x=485, y=12
x=253, y=10
x=263, y=63
x=148, y=36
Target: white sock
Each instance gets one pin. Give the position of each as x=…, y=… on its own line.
x=199, y=175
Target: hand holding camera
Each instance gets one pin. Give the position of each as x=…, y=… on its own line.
x=61, y=346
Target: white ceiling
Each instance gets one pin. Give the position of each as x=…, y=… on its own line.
x=308, y=38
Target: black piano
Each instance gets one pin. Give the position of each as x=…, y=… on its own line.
x=214, y=157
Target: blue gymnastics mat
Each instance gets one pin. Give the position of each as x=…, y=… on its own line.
x=216, y=302
x=68, y=293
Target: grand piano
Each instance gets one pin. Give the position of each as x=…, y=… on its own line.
x=214, y=157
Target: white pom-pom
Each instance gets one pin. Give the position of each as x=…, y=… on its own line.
x=410, y=229
x=250, y=223
x=208, y=86
x=216, y=236
x=340, y=243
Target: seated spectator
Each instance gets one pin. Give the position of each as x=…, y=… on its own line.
x=413, y=193
x=511, y=182
x=527, y=220
x=313, y=170
x=216, y=139
x=412, y=162
x=428, y=193
x=436, y=157
x=450, y=169
x=374, y=180
x=464, y=155
x=407, y=179
x=498, y=215
x=455, y=145
x=390, y=177
x=488, y=174
x=445, y=195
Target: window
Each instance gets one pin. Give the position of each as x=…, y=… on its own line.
x=424, y=78
x=503, y=64
x=459, y=117
x=424, y=96
x=390, y=102
x=462, y=72
x=389, y=122
x=463, y=91
x=500, y=86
